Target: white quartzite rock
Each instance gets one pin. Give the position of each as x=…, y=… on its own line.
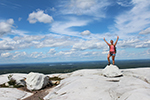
x=92, y=85
x=36, y=81
x=111, y=71
x=12, y=94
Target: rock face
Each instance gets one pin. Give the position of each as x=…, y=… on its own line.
x=111, y=71
x=12, y=94
x=92, y=85
x=36, y=81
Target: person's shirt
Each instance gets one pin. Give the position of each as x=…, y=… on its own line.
x=112, y=48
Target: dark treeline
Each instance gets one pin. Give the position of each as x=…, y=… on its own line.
x=49, y=68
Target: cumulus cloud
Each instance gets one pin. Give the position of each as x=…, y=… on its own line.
x=18, y=55
x=105, y=52
x=90, y=44
x=6, y=26
x=6, y=45
x=22, y=55
x=65, y=53
x=124, y=3
x=146, y=31
x=37, y=41
x=77, y=54
x=5, y=55
x=36, y=55
x=128, y=43
x=133, y=43
x=29, y=38
x=39, y=16
x=13, y=55
x=141, y=45
x=85, y=33
x=20, y=42
x=52, y=51
x=74, y=44
x=56, y=42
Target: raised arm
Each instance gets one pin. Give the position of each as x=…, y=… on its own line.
x=116, y=40
x=106, y=42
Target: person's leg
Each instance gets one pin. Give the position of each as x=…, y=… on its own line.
x=113, y=59
x=108, y=59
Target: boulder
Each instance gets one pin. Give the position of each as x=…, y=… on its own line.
x=36, y=81
x=21, y=82
x=111, y=71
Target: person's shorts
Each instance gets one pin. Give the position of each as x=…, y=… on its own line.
x=112, y=54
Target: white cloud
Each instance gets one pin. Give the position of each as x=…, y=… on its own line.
x=146, y=31
x=52, y=9
x=83, y=4
x=77, y=54
x=105, y=52
x=93, y=54
x=29, y=38
x=133, y=43
x=19, y=55
x=147, y=42
x=36, y=55
x=5, y=55
x=19, y=32
x=86, y=33
x=63, y=27
x=74, y=44
x=124, y=3
x=14, y=55
x=52, y=51
x=141, y=46
x=37, y=41
x=65, y=53
x=144, y=44
x=56, y=42
x=6, y=26
x=4, y=45
x=19, y=19
x=134, y=20
x=128, y=43
x=94, y=8
x=39, y=16
x=148, y=51
x=90, y=44
x=20, y=42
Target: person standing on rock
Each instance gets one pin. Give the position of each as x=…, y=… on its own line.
x=112, y=50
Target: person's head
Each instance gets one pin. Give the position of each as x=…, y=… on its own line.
x=111, y=41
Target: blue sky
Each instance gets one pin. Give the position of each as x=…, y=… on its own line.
x=73, y=30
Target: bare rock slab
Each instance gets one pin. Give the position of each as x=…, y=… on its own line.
x=92, y=85
x=12, y=94
x=111, y=71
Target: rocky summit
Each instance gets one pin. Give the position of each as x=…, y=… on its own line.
x=91, y=84
x=111, y=71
